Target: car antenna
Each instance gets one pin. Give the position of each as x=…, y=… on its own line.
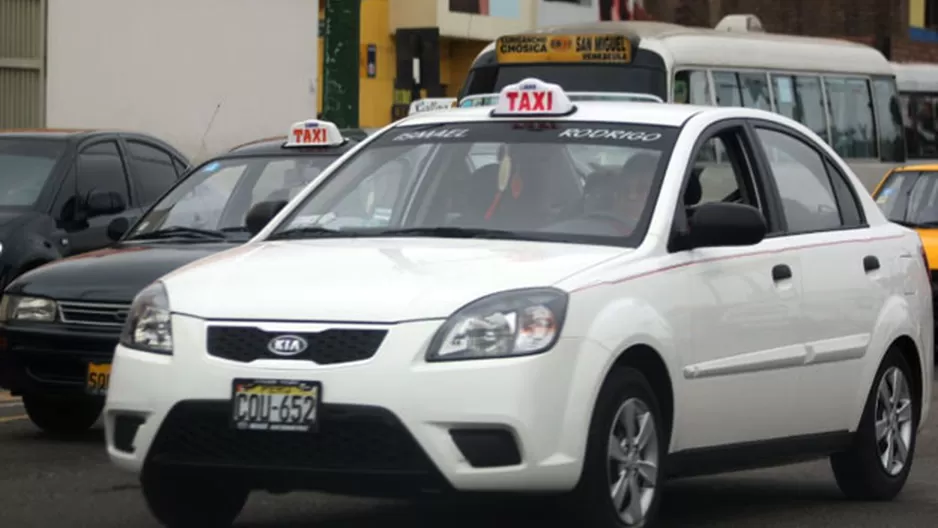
x=207, y=130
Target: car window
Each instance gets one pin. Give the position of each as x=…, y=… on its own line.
x=219, y=194
x=180, y=165
x=892, y=195
x=808, y=200
x=720, y=172
x=100, y=168
x=25, y=167
x=532, y=185
x=922, y=208
x=153, y=170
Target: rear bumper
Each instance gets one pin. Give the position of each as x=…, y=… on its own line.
x=50, y=358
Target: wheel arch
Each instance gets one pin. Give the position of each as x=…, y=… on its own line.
x=645, y=359
x=909, y=351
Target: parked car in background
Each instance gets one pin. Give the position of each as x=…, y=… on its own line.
x=59, y=189
x=59, y=324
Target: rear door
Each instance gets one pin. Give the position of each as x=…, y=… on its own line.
x=846, y=273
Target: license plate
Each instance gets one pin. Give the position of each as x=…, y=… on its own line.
x=99, y=375
x=275, y=405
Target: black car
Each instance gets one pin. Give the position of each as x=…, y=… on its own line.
x=59, y=324
x=59, y=189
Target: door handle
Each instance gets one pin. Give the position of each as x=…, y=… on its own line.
x=870, y=263
x=781, y=272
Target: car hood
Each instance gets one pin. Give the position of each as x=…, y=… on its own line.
x=114, y=274
x=373, y=280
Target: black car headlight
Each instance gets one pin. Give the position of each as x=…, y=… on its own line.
x=25, y=308
x=506, y=324
x=149, y=323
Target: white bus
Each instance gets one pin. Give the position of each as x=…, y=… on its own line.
x=918, y=93
x=844, y=91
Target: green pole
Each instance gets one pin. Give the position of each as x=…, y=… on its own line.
x=340, y=62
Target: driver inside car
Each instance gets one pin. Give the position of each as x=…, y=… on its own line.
x=619, y=197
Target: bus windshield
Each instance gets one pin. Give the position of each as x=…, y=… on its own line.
x=580, y=77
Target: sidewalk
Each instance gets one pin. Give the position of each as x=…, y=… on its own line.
x=5, y=397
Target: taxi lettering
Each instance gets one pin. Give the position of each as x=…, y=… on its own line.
x=542, y=101
x=310, y=135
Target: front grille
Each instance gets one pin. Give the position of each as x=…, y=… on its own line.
x=336, y=345
x=93, y=314
x=349, y=439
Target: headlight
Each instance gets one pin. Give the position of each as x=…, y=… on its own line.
x=506, y=324
x=149, y=325
x=21, y=308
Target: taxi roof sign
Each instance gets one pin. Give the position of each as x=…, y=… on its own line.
x=533, y=97
x=314, y=133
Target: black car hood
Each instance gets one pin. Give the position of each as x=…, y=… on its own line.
x=113, y=274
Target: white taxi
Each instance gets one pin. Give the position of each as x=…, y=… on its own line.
x=541, y=296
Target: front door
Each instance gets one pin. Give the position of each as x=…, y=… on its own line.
x=740, y=375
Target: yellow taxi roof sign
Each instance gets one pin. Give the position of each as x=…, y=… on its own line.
x=533, y=97
x=314, y=133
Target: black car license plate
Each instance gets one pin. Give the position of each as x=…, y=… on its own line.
x=275, y=405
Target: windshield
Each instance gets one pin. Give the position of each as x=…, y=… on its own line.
x=218, y=196
x=25, y=166
x=910, y=198
x=567, y=182
x=579, y=77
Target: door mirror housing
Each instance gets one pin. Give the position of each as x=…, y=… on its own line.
x=100, y=203
x=718, y=224
x=261, y=214
x=117, y=228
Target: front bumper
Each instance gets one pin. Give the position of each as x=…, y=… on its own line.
x=51, y=358
x=514, y=424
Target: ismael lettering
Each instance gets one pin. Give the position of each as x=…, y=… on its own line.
x=605, y=133
x=451, y=133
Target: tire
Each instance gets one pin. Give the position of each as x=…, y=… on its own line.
x=860, y=472
x=62, y=415
x=592, y=501
x=190, y=502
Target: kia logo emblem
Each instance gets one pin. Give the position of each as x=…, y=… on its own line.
x=287, y=345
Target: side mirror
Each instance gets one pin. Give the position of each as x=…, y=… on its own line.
x=261, y=214
x=725, y=224
x=117, y=228
x=100, y=203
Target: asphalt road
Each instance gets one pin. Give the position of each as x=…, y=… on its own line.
x=47, y=483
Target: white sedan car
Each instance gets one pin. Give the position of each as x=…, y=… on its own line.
x=716, y=293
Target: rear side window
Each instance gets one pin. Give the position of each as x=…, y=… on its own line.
x=153, y=170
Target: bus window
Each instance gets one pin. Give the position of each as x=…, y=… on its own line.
x=921, y=130
x=579, y=77
x=694, y=84
x=799, y=98
x=727, y=89
x=852, y=131
x=755, y=89
x=889, y=120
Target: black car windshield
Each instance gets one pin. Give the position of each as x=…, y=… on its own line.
x=215, y=198
x=910, y=198
x=557, y=181
x=25, y=167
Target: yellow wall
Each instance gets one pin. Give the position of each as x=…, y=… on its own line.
x=376, y=95
x=917, y=13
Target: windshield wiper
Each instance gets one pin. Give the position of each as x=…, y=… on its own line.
x=238, y=229
x=310, y=232
x=452, y=232
x=181, y=232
